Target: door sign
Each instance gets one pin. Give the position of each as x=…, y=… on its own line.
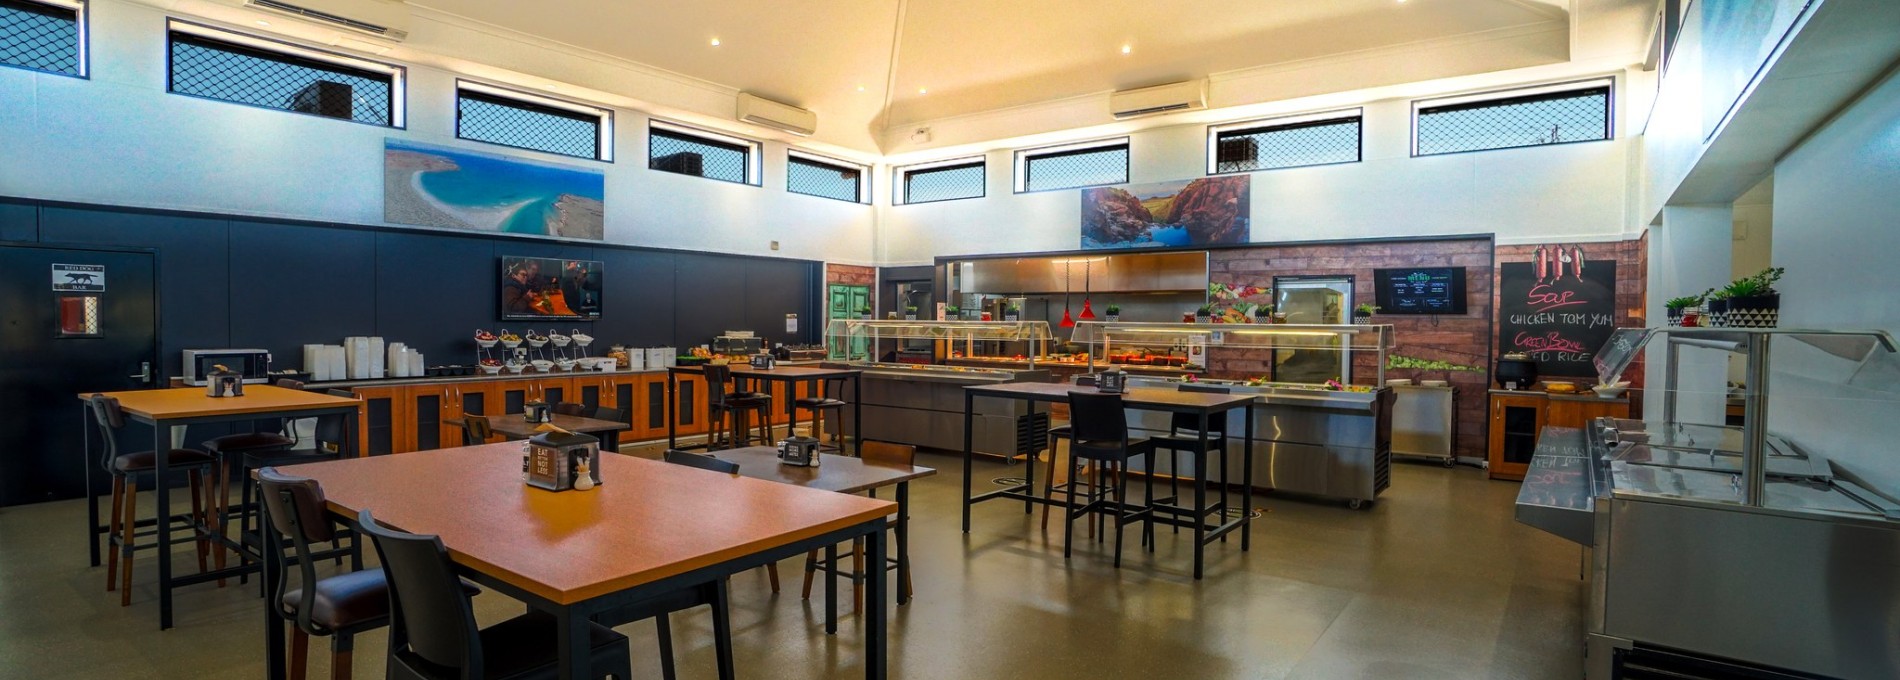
x=79, y=278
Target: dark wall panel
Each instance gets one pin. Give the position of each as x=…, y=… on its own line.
x=775, y=288
x=711, y=292
x=19, y=221
x=193, y=269
x=638, y=292
x=294, y=285
x=433, y=291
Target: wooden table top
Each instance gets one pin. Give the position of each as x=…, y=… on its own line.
x=648, y=520
x=1139, y=397
x=191, y=402
x=744, y=370
x=513, y=424
x=843, y=474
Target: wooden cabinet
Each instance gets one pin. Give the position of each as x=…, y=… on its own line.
x=691, y=415
x=1517, y=418
x=383, y=428
x=421, y=417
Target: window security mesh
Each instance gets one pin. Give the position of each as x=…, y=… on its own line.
x=1554, y=118
x=39, y=37
x=1077, y=168
x=671, y=151
x=498, y=120
x=825, y=180
x=946, y=183
x=246, y=75
x=1292, y=145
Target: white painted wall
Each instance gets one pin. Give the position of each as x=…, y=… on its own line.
x=1573, y=192
x=1688, y=254
x=1835, y=207
x=118, y=138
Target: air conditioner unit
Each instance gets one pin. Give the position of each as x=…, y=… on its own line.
x=1149, y=101
x=761, y=111
x=387, y=19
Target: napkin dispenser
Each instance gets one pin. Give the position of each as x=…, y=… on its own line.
x=764, y=362
x=555, y=460
x=537, y=411
x=1113, y=381
x=802, y=451
x=224, y=382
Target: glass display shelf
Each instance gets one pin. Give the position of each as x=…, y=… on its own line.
x=1292, y=353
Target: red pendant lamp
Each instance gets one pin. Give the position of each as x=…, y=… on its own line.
x=1088, y=312
x=1067, y=321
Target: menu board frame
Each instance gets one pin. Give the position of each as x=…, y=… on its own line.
x=1389, y=297
x=1561, y=320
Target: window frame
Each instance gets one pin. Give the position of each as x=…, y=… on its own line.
x=292, y=52
x=864, y=173
x=754, y=150
x=1521, y=94
x=900, y=178
x=1286, y=122
x=603, y=117
x=82, y=11
x=1024, y=156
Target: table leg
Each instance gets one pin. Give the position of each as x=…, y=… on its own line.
x=903, y=545
x=274, y=668
x=672, y=410
x=857, y=415
x=92, y=497
x=722, y=627
x=1029, y=473
x=831, y=589
x=161, y=449
x=573, y=644
x=969, y=405
x=1200, y=499
x=351, y=436
x=1246, y=486
x=876, y=616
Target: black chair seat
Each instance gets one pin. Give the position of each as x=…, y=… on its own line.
x=747, y=400
x=355, y=599
x=144, y=461
x=524, y=646
x=1109, y=450
x=818, y=403
x=1188, y=441
x=249, y=441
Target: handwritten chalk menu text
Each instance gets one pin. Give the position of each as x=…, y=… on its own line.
x=1434, y=290
x=1561, y=318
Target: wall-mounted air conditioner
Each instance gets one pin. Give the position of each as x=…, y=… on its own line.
x=1148, y=101
x=761, y=111
x=387, y=19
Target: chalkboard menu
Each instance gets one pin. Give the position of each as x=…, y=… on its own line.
x=1435, y=290
x=1560, y=319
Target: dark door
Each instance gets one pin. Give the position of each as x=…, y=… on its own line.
x=71, y=321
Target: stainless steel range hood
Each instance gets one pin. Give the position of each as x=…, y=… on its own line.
x=1119, y=273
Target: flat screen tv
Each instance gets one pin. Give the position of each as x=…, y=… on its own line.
x=1420, y=290
x=536, y=288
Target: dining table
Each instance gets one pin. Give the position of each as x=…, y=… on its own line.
x=790, y=375
x=517, y=426
x=648, y=529
x=171, y=408
x=1199, y=404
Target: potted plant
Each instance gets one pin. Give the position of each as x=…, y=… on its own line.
x=952, y=312
x=864, y=312
x=1753, y=301
x=1716, y=308
x=1113, y=313
x=1013, y=312
x=1362, y=313
x=1263, y=314
x=1203, y=314
x=1677, y=308
x=910, y=312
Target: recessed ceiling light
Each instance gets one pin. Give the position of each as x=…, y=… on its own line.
x=1130, y=48
x=922, y=91
x=262, y=22
x=860, y=88
x=715, y=42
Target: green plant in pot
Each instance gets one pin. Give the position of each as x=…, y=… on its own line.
x=864, y=312
x=952, y=312
x=1263, y=314
x=1113, y=313
x=1362, y=313
x=1677, y=308
x=1013, y=312
x=1203, y=314
x=1753, y=301
x=910, y=312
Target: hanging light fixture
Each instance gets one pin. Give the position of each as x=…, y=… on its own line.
x=1067, y=321
x=1088, y=269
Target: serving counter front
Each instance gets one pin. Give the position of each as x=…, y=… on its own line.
x=923, y=405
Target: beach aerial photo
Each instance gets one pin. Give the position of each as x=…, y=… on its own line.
x=436, y=186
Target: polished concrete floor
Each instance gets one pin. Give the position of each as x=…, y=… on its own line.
x=1434, y=581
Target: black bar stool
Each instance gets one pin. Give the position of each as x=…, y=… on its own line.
x=822, y=404
x=732, y=411
x=1184, y=435
x=203, y=472
x=328, y=444
x=1099, y=426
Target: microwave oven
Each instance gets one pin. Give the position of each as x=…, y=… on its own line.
x=253, y=364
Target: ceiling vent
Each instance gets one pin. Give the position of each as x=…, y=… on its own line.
x=1148, y=101
x=388, y=19
x=761, y=111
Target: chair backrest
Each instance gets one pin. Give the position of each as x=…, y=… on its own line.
x=888, y=453
x=718, y=378
x=107, y=418
x=332, y=431
x=618, y=415
x=569, y=408
x=1191, y=422
x=475, y=430
x=430, y=618
x=293, y=507
x=702, y=462
x=1097, y=417
x=290, y=384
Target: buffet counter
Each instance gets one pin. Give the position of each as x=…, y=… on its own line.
x=922, y=405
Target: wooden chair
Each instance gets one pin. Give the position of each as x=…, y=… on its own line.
x=826, y=409
x=476, y=430
x=732, y=411
x=569, y=408
x=204, y=475
x=874, y=452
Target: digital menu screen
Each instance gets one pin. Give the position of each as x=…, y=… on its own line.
x=1422, y=290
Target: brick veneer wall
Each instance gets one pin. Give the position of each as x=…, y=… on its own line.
x=850, y=274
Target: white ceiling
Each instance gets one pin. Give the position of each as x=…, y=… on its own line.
x=975, y=56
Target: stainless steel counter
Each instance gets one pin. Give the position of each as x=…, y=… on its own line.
x=923, y=405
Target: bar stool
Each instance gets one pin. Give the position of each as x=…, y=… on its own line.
x=124, y=469
x=570, y=408
x=820, y=405
x=476, y=430
x=732, y=411
x=1184, y=435
x=1099, y=426
x=328, y=444
x=874, y=452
